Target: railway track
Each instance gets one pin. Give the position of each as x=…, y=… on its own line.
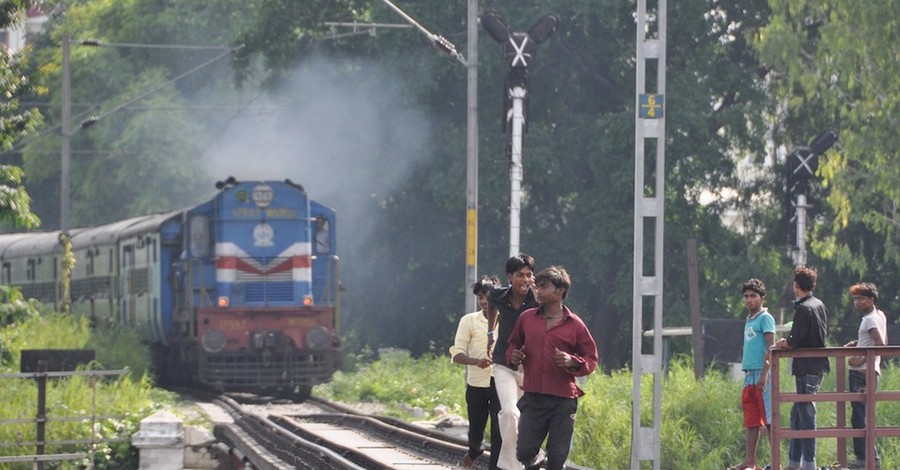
x=328, y=436
x=319, y=434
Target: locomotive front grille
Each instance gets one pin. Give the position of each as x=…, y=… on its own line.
x=255, y=271
x=268, y=292
x=243, y=371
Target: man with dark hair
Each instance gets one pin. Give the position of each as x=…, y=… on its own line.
x=555, y=346
x=759, y=336
x=472, y=347
x=872, y=332
x=810, y=330
x=511, y=302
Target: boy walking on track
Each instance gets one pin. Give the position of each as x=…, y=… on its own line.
x=472, y=347
x=554, y=346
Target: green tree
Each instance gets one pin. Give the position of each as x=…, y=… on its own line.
x=403, y=278
x=283, y=32
x=15, y=123
x=146, y=153
x=833, y=64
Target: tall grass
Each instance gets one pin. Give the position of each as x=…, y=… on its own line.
x=702, y=422
x=114, y=347
x=401, y=383
x=126, y=400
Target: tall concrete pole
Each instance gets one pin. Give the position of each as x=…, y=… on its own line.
x=517, y=96
x=472, y=155
x=65, y=151
x=800, y=257
x=649, y=210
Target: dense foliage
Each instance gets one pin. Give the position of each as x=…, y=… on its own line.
x=834, y=64
x=16, y=122
x=156, y=105
x=373, y=124
x=578, y=171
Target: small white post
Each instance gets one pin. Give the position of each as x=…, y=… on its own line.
x=160, y=442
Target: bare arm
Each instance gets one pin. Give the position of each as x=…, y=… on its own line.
x=470, y=361
x=876, y=335
x=764, y=375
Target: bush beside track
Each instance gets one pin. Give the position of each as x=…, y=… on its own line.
x=132, y=396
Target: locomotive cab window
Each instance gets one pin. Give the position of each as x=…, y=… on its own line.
x=199, y=236
x=322, y=235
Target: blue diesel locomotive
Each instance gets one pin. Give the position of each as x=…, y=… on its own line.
x=239, y=293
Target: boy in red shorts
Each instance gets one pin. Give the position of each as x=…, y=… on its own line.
x=759, y=336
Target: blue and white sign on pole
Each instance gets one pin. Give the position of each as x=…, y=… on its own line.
x=652, y=106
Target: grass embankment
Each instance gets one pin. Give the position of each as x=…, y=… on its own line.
x=130, y=398
x=701, y=420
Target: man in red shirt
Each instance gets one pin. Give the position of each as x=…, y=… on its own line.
x=554, y=346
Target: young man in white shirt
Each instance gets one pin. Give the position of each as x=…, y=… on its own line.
x=872, y=332
x=472, y=347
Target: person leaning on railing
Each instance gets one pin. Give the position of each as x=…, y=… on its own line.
x=809, y=330
x=872, y=332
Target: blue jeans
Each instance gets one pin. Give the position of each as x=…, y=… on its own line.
x=857, y=379
x=803, y=417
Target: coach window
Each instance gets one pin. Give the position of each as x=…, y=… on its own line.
x=7, y=272
x=199, y=236
x=323, y=235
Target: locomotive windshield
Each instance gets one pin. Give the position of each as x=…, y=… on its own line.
x=323, y=235
x=199, y=236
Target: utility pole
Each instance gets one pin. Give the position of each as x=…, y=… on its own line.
x=471, y=154
x=67, y=130
x=65, y=151
x=649, y=207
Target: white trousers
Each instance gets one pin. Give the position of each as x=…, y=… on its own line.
x=509, y=390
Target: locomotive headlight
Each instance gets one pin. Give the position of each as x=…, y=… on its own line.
x=213, y=341
x=318, y=338
x=224, y=301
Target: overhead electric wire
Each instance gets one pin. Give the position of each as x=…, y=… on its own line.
x=98, y=43
x=164, y=84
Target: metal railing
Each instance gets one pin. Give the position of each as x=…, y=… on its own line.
x=840, y=396
x=41, y=421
